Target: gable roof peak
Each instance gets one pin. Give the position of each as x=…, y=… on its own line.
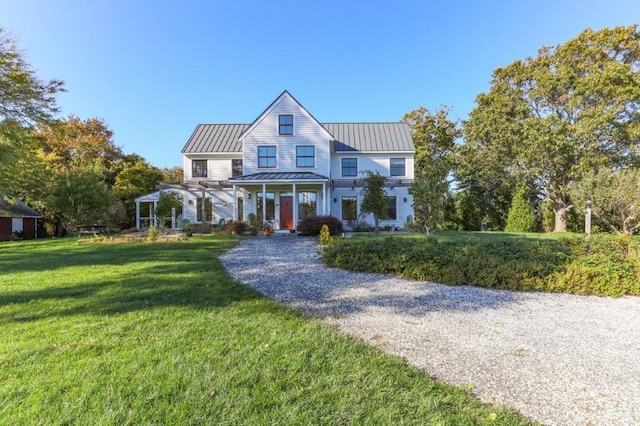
x=285, y=93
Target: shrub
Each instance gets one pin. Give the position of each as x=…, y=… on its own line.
x=521, y=216
x=313, y=225
x=605, y=265
x=236, y=227
x=325, y=236
x=254, y=224
x=202, y=228
x=152, y=234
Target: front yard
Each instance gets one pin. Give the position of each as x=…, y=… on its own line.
x=158, y=333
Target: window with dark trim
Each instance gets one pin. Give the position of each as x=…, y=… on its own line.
x=271, y=209
x=285, y=124
x=397, y=167
x=349, y=167
x=236, y=167
x=307, y=204
x=198, y=168
x=349, y=208
x=266, y=156
x=208, y=210
x=305, y=156
x=391, y=208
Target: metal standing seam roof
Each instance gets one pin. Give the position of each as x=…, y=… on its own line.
x=279, y=176
x=367, y=137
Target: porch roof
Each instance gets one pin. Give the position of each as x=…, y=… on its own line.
x=279, y=177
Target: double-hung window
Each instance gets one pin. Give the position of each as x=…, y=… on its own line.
x=285, y=124
x=397, y=167
x=304, y=156
x=266, y=156
x=391, y=208
x=349, y=208
x=236, y=167
x=198, y=168
x=349, y=167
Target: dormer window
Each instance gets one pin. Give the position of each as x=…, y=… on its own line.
x=285, y=124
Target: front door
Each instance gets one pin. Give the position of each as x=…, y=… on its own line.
x=286, y=212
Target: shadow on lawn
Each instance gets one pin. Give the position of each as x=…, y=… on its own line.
x=185, y=274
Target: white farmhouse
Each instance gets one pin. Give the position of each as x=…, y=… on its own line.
x=286, y=166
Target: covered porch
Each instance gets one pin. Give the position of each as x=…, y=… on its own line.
x=282, y=199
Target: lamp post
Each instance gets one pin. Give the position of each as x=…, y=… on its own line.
x=587, y=218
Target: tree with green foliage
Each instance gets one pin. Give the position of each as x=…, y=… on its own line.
x=80, y=197
x=521, y=217
x=554, y=118
x=168, y=201
x=434, y=136
x=25, y=100
x=138, y=179
x=374, y=198
x=173, y=174
x=615, y=198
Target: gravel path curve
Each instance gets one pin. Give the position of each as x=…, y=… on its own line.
x=558, y=359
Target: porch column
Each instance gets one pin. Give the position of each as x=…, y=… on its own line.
x=264, y=202
x=324, y=198
x=295, y=206
x=235, y=201
x=137, y=214
x=173, y=217
x=203, y=207
x=154, y=216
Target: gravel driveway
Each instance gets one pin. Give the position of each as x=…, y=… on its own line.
x=558, y=359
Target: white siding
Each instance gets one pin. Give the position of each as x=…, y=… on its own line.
x=403, y=209
x=218, y=165
x=306, y=132
x=380, y=163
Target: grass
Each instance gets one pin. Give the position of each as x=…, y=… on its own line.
x=146, y=333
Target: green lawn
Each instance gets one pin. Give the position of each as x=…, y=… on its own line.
x=157, y=333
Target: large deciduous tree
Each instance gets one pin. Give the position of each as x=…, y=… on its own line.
x=434, y=136
x=555, y=117
x=25, y=100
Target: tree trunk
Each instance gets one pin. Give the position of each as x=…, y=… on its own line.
x=560, y=211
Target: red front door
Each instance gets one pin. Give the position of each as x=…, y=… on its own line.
x=286, y=212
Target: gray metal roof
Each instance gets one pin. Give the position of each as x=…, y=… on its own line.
x=279, y=176
x=215, y=138
x=16, y=208
x=369, y=137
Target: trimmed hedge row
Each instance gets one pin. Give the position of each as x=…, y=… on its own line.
x=602, y=266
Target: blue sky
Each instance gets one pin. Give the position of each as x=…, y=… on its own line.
x=153, y=70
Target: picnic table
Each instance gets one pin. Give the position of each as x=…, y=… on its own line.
x=93, y=230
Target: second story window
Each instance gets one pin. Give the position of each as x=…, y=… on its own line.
x=304, y=156
x=349, y=167
x=397, y=167
x=285, y=124
x=266, y=156
x=236, y=168
x=198, y=168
